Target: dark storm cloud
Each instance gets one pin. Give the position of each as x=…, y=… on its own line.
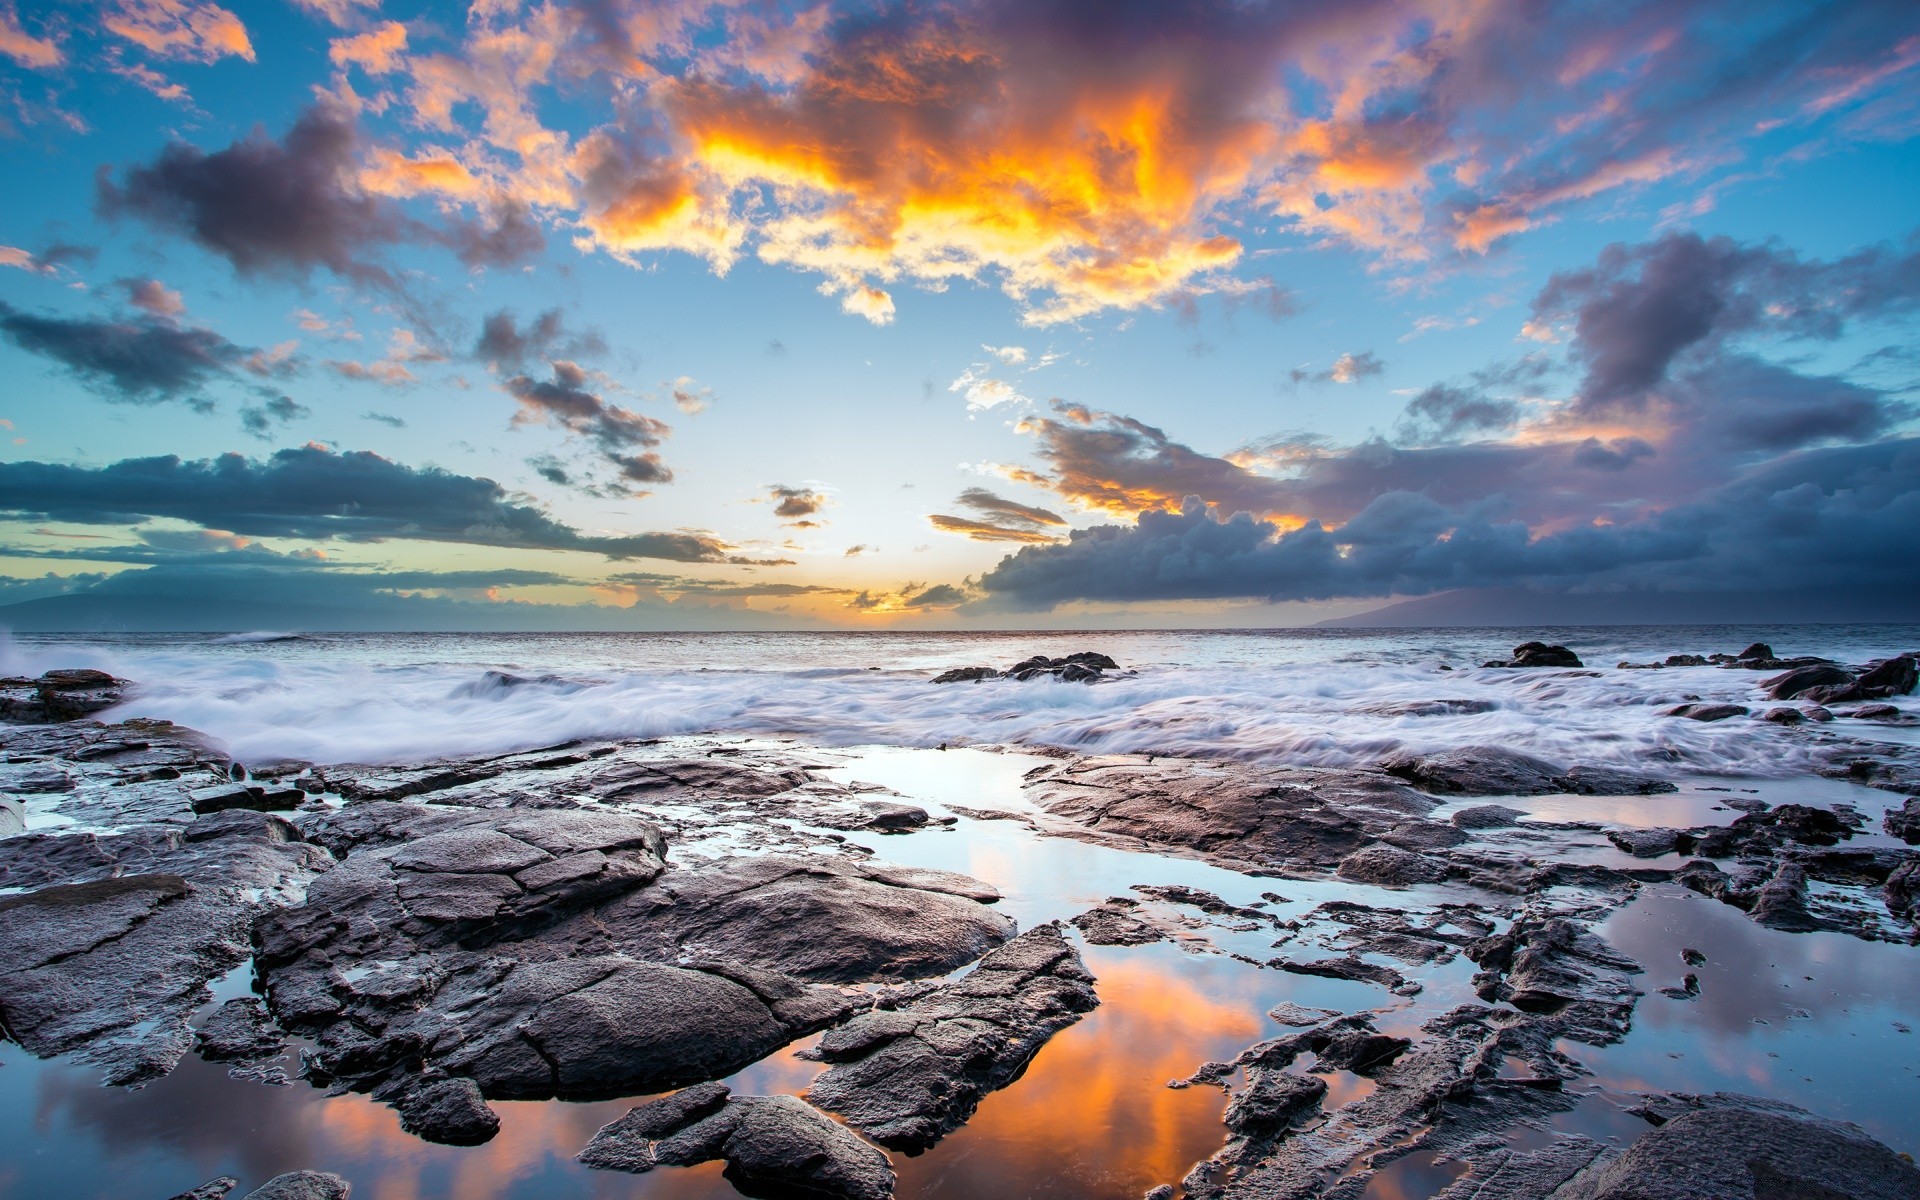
x=940, y=595
x=311, y=492
x=268, y=207
x=1000, y=519
x=681, y=585
x=509, y=237
x=1641, y=309
x=624, y=438
x=139, y=360
x=1832, y=518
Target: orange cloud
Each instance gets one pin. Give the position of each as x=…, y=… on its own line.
x=22, y=47
x=378, y=51
x=189, y=30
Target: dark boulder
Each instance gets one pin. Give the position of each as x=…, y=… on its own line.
x=1725, y=1147
x=451, y=1112
x=1757, y=650
x=772, y=1145
x=1782, y=715
x=908, y=1077
x=1894, y=677
x=1272, y=1101
x=1904, y=822
x=1540, y=654
x=259, y=798
x=58, y=696
x=1801, y=680
x=1493, y=771
x=1706, y=712
x=1390, y=866
x=1487, y=816
x=966, y=675
x=212, y=1189
x=1363, y=1052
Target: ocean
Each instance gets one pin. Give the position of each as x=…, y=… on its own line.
x=1285, y=697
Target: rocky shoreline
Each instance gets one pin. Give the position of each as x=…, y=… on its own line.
x=618, y=919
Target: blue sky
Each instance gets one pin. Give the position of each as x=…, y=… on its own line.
x=868, y=315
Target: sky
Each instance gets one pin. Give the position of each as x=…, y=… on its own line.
x=612, y=314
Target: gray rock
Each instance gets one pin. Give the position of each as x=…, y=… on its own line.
x=212, y=1189
x=1298, y=819
x=112, y=969
x=1487, y=816
x=1362, y=1052
x=1540, y=654
x=910, y=1076
x=1782, y=715
x=1804, y=679
x=824, y=919
x=771, y=1144
x=302, y=1185
x=1272, y=1101
x=222, y=797
x=58, y=696
x=1492, y=771
x=1740, y=1148
x=966, y=675
x=1904, y=822
x=451, y=1112
x=1651, y=843
x=1507, y=1174
x=1116, y=923
x=240, y=1031
x=1707, y=712
x=1390, y=866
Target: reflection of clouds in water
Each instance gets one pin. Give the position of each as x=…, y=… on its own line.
x=1759, y=1024
x=1093, y=1117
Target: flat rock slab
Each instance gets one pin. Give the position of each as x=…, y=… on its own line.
x=112, y=968
x=827, y=919
x=1726, y=1147
x=910, y=1076
x=302, y=1185
x=1492, y=771
x=1297, y=819
x=772, y=1145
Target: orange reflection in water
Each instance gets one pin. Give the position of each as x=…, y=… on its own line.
x=1093, y=1116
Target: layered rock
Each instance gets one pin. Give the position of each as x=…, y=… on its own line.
x=908, y=1077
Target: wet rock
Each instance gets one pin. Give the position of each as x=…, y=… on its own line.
x=1487, y=816
x=1288, y=1013
x=112, y=969
x=1707, y=712
x=1902, y=889
x=966, y=675
x=1349, y=968
x=493, y=947
x=1894, y=677
x=1540, y=654
x=1492, y=771
x=816, y=918
x=212, y=1189
x=1362, y=1052
x=1782, y=901
x=302, y=1185
x=1298, y=819
x=1390, y=866
x=1555, y=966
x=1756, y=650
x=240, y=1031
x=882, y=816
x=1782, y=715
x=1116, y=923
x=13, y=817
x=1689, y=988
x=1651, y=843
x=1801, y=680
x=773, y=1145
x=1875, y=712
x=1272, y=1101
x=1802, y=823
x=909, y=1077
x=1429, y=708
x=254, y=796
x=451, y=1112
x=1741, y=1148
x=1904, y=822
x=58, y=696
x=1506, y=1174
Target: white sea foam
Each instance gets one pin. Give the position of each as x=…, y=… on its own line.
x=408, y=698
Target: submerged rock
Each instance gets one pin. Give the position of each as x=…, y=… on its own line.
x=910, y=1076
x=1085, y=666
x=773, y=1145
x=1727, y=1147
x=1801, y=680
x=451, y=1112
x=1707, y=712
